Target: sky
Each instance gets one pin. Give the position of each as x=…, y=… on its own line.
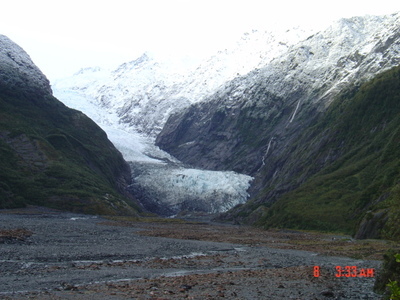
x=64, y=36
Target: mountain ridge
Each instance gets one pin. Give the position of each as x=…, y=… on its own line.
x=358, y=187
x=18, y=71
x=253, y=124
x=305, y=86
x=251, y=121
x=52, y=155
x=145, y=91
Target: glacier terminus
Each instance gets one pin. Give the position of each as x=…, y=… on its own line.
x=280, y=77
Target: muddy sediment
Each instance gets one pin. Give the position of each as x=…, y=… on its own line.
x=47, y=254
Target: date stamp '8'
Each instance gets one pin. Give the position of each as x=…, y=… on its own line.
x=348, y=271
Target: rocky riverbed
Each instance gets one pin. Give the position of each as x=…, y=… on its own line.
x=47, y=254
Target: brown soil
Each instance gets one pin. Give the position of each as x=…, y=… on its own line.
x=325, y=244
x=11, y=235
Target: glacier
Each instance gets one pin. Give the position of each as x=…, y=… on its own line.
x=162, y=183
x=143, y=93
x=168, y=189
x=134, y=101
x=305, y=67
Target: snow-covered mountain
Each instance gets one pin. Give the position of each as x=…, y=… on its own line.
x=235, y=111
x=255, y=115
x=143, y=93
x=133, y=102
x=162, y=183
x=265, y=123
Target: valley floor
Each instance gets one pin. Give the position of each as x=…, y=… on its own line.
x=46, y=254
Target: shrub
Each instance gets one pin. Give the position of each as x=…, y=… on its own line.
x=389, y=276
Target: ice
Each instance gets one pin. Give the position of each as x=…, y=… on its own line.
x=133, y=102
x=131, y=145
x=163, y=184
x=169, y=189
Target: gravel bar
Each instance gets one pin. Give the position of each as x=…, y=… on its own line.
x=57, y=255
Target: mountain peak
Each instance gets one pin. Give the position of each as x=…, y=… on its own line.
x=88, y=70
x=136, y=63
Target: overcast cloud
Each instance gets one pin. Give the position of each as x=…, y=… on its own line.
x=64, y=36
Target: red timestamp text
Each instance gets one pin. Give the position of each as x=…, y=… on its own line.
x=347, y=271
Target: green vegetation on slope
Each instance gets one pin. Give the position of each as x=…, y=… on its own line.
x=358, y=189
x=388, y=279
x=57, y=157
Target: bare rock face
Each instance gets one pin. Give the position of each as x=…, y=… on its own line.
x=264, y=124
x=17, y=71
x=258, y=122
x=255, y=117
x=143, y=93
x=372, y=224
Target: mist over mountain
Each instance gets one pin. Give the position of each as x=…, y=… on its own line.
x=270, y=109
